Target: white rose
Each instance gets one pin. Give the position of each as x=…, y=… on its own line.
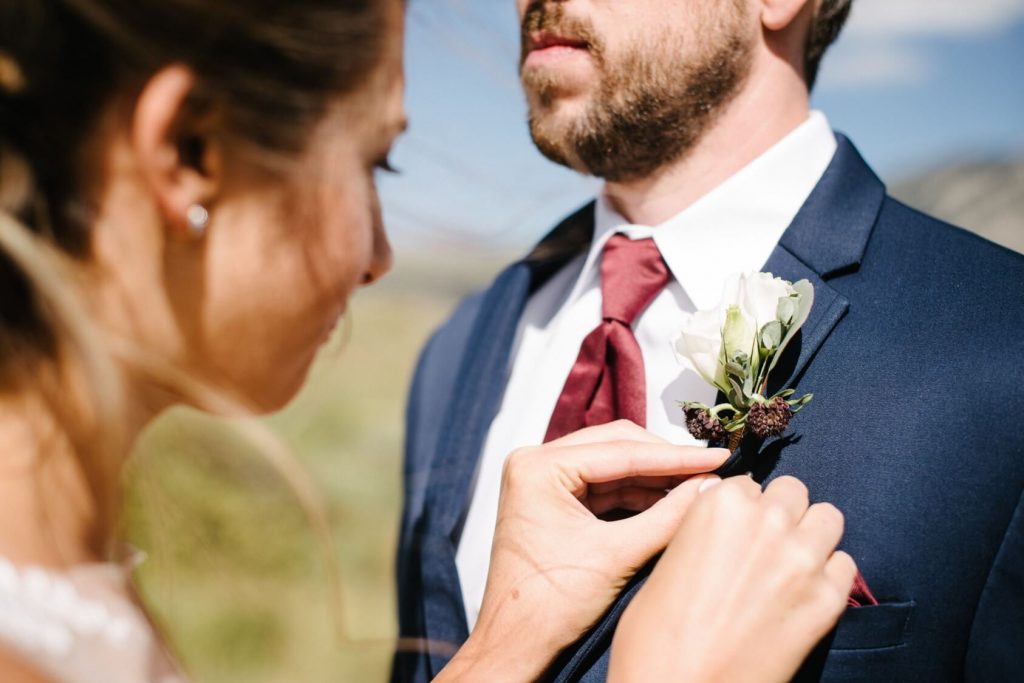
x=749, y=302
x=699, y=346
x=758, y=296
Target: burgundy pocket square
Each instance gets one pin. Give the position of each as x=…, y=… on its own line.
x=860, y=594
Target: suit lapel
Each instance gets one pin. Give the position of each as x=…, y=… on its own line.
x=829, y=308
x=827, y=239
x=830, y=233
x=478, y=391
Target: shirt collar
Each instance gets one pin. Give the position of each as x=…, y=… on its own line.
x=733, y=228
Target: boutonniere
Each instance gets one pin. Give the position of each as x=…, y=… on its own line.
x=734, y=347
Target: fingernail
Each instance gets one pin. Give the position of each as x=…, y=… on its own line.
x=710, y=481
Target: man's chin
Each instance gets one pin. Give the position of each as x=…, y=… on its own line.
x=559, y=109
x=552, y=142
x=553, y=87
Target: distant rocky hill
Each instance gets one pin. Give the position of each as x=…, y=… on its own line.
x=987, y=198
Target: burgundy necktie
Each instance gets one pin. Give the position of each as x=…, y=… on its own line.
x=607, y=382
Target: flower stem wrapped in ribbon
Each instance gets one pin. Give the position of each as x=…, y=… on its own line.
x=734, y=347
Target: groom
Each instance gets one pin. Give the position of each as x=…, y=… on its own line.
x=695, y=113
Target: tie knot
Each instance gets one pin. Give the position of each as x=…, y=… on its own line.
x=632, y=274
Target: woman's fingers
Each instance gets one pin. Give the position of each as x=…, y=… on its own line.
x=662, y=483
x=620, y=430
x=603, y=462
x=822, y=528
x=549, y=551
x=841, y=570
x=790, y=494
x=632, y=498
x=737, y=536
x=745, y=489
x=656, y=526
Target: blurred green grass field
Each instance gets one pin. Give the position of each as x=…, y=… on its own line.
x=233, y=572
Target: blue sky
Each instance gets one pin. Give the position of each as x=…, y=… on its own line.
x=914, y=83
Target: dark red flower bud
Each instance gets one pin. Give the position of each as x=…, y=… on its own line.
x=769, y=418
x=703, y=425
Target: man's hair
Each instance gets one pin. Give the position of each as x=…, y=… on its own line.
x=825, y=28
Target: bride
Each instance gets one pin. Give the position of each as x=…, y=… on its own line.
x=186, y=204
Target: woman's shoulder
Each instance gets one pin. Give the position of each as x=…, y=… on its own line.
x=80, y=624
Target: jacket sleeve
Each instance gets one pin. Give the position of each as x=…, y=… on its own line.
x=407, y=664
x=997, y=635
x=431, y=391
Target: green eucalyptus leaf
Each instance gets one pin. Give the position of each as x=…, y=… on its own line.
x=757, y=360
x=735, y=370
x=736, y=424
x=787, y=310
x=771, y=335
x=737, y=393
x=736, y=333
x=722, y=407
x=804, y=301
x=797, y=405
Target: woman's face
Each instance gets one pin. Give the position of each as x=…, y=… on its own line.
x=281, y=259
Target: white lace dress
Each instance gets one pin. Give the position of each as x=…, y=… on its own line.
x=82, y=625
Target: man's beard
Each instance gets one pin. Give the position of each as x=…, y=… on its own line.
x=651, y=107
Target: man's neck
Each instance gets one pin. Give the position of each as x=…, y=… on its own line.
x=771, y=105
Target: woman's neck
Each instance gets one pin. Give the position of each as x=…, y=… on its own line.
x=59, y=478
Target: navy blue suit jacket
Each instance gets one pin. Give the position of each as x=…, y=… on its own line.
x=913, y=351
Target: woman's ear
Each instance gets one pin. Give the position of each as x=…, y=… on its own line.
x=777, y=15
x=177, y=154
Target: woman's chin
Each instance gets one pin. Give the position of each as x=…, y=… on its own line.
x=266, y=393
x=258, y=385
x=278, y=392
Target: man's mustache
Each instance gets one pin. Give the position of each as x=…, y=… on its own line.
x=550, y=18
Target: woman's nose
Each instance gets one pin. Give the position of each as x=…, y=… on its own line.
x=382, y=258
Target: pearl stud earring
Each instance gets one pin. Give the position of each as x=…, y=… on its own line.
x=198, y=218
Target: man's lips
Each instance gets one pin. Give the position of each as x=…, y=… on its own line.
x=546, y=41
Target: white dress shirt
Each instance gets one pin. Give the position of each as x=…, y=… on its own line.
x=748, y=212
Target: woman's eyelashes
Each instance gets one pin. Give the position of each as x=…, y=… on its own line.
x=384, y=164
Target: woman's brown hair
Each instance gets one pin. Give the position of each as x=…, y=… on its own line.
x=269, y=68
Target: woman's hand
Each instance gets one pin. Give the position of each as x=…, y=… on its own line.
x=555, y=566
x=748, y=586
